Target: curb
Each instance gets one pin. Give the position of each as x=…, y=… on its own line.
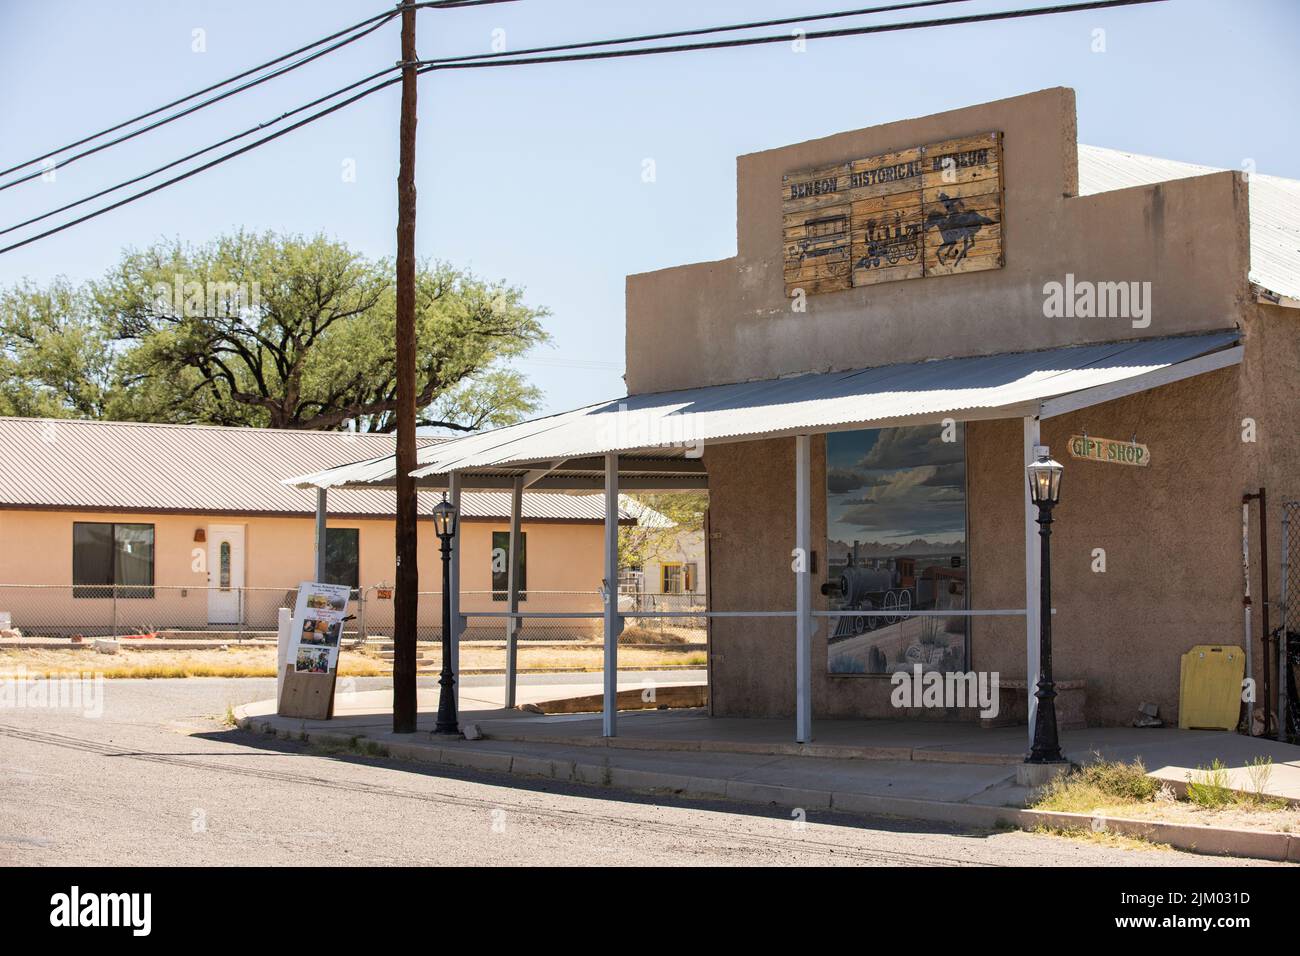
x=830, y=751
x=1193, y=838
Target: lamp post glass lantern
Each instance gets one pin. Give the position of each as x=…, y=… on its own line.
x=1045, y=479
x=444, y=526
x=1045, y=489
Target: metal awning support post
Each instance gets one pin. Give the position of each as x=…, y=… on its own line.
x=512, y=592
x=320, y=535
x=803, y=588
x=613, y=623
x=457, y=625
x=1033, y=573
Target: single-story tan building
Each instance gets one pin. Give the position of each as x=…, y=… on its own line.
x=913, y=312
x=125, y=526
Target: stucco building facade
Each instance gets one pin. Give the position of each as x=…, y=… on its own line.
x=1168, y=534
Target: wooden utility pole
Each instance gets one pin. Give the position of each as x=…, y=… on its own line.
x=408, y=572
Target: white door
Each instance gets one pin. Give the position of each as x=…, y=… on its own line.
x=225, y=573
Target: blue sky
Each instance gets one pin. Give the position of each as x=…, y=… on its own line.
x=535, y=174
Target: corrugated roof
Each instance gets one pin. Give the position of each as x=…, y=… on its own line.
x=974, y=387
x=1274, y=208
x=70, y=463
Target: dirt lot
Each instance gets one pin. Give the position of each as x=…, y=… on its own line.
x=1240, y=817
x=260, y=661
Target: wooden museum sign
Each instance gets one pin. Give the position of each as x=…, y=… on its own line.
x=925, y=211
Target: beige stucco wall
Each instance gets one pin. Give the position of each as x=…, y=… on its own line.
x=1171, y=531
x=1171, y=534
x=727, y=321
x=36, y=548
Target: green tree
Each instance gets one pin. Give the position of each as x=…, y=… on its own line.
x=651, y=537
x=288, y=332
x=55, y=361
x=264, y=330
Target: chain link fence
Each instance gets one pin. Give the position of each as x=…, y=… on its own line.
x=60, y=611
x=51, y=610
x=377, y=604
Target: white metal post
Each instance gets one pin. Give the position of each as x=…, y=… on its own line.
x=320, y=535
x=803, y=588
x=1033, y=569
x=613, y=623
x=453, y=495
x=283, y=637
x=512, y=592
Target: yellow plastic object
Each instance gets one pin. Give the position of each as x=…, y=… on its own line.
x=1209, y=687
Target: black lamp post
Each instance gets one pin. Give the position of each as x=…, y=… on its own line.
x=444, y=526
x=1045, y=488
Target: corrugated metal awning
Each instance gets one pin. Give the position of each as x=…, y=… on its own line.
x=661, y=433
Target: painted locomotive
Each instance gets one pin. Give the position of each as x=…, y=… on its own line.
x=890, y=585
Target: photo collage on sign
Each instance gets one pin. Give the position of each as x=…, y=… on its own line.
x=318, y=619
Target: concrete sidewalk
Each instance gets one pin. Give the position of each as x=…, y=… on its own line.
x=965, y=757
x=974, y=795
x=954, y=773
x=1168, y=753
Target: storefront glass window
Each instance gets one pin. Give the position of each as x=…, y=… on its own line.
x=896, y=541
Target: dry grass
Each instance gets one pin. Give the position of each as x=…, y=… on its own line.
x=1117, y=789
x=260, y=661
x=234, y=662
x=1104, y=838
x=665, y=635
x=1101, y=783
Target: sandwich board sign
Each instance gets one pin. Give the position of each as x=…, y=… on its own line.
x=316, y=630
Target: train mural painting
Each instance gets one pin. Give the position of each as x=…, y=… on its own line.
x=889, y=639
x=896, y=544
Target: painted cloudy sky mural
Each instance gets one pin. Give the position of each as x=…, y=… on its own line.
x=895, y=486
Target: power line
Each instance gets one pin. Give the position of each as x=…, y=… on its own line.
x=385, y=16
x=206, y=166
x=456, y=4
x=513, y=59
x=197, y=153
x=203, y=104
x=757, y=24
x=197, y=93
x=570, y=46
x=490, y=61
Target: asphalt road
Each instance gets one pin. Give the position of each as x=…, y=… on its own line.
x=159, y=779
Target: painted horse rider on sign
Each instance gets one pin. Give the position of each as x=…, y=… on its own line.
x=957, y=225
